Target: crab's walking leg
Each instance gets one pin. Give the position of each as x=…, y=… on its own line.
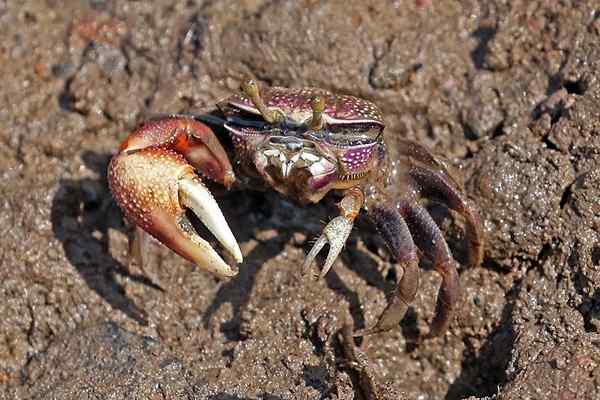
x=336, y=232
x=436, y=185
x=153, y=180
x=396, y=234
x=430, y=239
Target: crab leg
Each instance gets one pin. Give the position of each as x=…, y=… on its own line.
x=336, y=232
x=438, y=186
x=154, y=184
x=433, y=180
x=398, y=238
x=430, y=240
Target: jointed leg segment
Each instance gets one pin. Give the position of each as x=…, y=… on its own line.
x=437, y=185
x=430, y=239
x=396, y=234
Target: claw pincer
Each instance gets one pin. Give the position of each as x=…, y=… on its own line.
x=154, y=184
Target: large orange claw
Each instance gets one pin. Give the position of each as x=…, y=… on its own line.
x=155, y=184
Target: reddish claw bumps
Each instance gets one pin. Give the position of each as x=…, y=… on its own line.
x=305, y=143
x=153, y=180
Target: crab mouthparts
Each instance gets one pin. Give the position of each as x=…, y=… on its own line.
x=285, y=164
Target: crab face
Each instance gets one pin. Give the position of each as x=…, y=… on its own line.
x=305, y=142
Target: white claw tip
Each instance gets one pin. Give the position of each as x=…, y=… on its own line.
x=194, y=195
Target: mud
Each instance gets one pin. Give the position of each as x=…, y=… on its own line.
x=507, y=90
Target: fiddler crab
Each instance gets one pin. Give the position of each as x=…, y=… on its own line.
x=305, y=143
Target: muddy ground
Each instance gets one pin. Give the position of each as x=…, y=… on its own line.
x=508, y=90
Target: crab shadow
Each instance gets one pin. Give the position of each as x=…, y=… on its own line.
x=265, y=211
x=81, y=215
x=237, y=291
x=269, y=211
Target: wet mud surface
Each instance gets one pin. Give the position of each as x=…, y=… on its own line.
x=508, y=91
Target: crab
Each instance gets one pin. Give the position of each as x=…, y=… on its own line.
x=308, y=144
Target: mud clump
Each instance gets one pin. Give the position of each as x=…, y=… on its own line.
x=507, y=91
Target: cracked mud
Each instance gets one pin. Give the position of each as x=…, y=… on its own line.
x=507, y=90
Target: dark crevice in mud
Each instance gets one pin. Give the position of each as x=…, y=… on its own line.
x=546, y=251
x=66, y=99
x=566, y=195
x=484, y=371
x=554, y=83
x=469, y=133
x=590, y=305
x=429, y=129
x=410, y=330
x=595, y=254
x=578, y=87
x=557, y=82
x=498, y=131
x=127, y=57
x=310, y=376
x=484, y=34
x=590, y=310
x=493, y=265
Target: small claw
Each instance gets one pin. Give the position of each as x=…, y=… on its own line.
x=153, y=186
x=335, y=233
